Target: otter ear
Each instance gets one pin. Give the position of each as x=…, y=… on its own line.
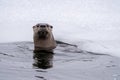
x=33, y=26
x=51, y=26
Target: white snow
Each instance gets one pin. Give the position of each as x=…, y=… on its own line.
x=93, y=25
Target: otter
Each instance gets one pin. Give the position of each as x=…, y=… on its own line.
x=43, y=38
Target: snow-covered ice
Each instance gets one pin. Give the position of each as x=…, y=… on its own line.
x=92, y=24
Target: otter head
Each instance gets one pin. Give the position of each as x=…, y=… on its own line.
x=42, y=30
x=43, y=37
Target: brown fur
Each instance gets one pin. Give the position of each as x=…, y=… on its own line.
x=47, y=44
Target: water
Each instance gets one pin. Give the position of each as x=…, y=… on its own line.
x=18, y=62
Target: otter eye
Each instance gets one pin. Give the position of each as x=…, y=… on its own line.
x=51, y=26
x=47, y=25
x=37, y=25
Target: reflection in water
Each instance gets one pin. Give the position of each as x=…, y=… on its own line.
x=43, y=59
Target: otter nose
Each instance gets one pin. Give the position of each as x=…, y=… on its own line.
x=42, y=26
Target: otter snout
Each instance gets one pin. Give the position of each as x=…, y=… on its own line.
x=42, y=34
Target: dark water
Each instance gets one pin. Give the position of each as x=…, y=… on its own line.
x=18, y=62
x=43, y=60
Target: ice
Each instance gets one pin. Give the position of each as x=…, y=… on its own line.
x=91, y=25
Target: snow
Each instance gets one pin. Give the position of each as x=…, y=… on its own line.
x=93, y=25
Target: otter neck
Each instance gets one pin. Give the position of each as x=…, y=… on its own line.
x=46, y=44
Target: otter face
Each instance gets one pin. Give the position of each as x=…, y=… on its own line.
x=42, y=30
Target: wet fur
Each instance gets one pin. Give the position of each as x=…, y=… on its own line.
x=47, y=44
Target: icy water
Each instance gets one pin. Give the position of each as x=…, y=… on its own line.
x=18, y=62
